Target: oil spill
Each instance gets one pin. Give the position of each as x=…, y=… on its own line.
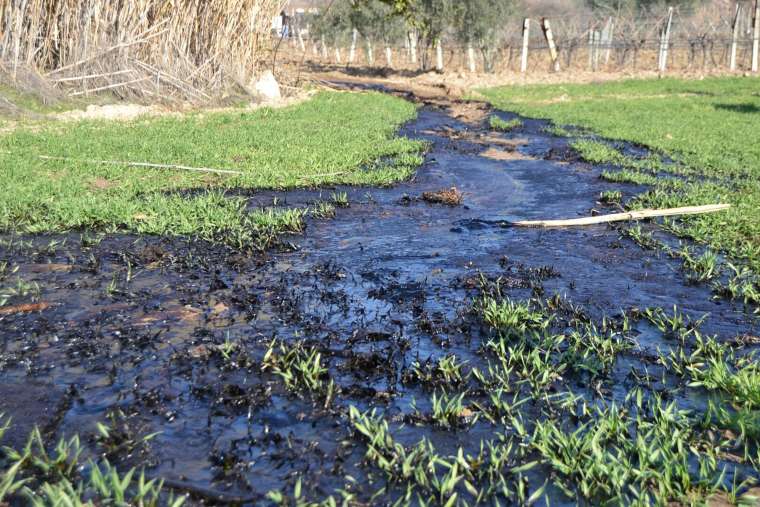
x=136, y=325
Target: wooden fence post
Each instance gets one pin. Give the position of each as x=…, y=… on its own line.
x=756, y=37
x=734, y=37
x=388, y=56
x=370, y=52
x=337, y=54
x=546, y=27
x=597, y=48
x=438, y=55
x=324, y=48
x=594, y=40
x=352, y=51
x=301, y=43
x=526, y=40
x=608, y=42
x=413, y=47
x=471, y=57
x=665, y=41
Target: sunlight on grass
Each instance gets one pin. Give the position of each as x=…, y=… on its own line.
x=297, y=146
x=708, y=127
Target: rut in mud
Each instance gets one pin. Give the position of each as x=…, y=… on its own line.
x=165, y=335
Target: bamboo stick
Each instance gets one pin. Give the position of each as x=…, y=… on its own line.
x=143, y=164
x=621, y=217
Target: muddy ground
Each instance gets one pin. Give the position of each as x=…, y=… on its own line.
x=132, y=327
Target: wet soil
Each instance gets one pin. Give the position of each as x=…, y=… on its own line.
x=135, y=324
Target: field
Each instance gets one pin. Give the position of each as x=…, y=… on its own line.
x=707, y=127
x=348, y=314
x=71, y=190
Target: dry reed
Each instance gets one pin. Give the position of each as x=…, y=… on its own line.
x=157, y=49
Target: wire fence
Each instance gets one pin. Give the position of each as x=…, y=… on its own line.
x=674, y=40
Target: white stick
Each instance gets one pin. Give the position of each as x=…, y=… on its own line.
x=620, y=217
x=388, y=57
x=142, y=164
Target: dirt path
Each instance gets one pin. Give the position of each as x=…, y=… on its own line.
x=137, y=324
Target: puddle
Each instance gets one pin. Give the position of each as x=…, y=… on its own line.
x=133, y=322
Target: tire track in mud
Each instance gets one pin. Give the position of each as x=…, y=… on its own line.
x=168, y=335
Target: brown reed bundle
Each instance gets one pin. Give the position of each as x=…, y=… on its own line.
x=182, y=49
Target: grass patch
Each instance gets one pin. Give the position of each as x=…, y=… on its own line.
x=37, y=475
x=497, y=123
x=36, y=103
x=708, y=127
x=291, y=147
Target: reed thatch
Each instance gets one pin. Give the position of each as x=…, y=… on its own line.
x=186, y=49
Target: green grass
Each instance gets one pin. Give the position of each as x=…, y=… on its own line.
x=497, y=123
x=28, y=102
x=301, y=145
x=45, y=475
x=708, y=127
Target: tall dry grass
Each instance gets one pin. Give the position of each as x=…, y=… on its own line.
x=181, y=49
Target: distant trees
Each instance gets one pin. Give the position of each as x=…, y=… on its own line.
x=635, y=5
x=473, y=23
x=480, y=24
x=376, y=21
x=430, y=19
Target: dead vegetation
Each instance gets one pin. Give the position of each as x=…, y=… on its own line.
x=149, y=49
x=449, y=197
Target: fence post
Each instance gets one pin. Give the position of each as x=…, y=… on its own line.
x=526, y=40
x=413, y=47
x=370, y=52
x=546, y=27
x=756, y=36
x=337, y=55
x=665, y=41
x=301, y=43
x=438, y=55
x=597, y=48
x=388, y=56
x=352, y=51
x=324, y=48
x=608, y=30
x=734, y=38
x=471, y=57
x=591, y=35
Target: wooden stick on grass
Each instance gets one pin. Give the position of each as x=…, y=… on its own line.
x=620, y=217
